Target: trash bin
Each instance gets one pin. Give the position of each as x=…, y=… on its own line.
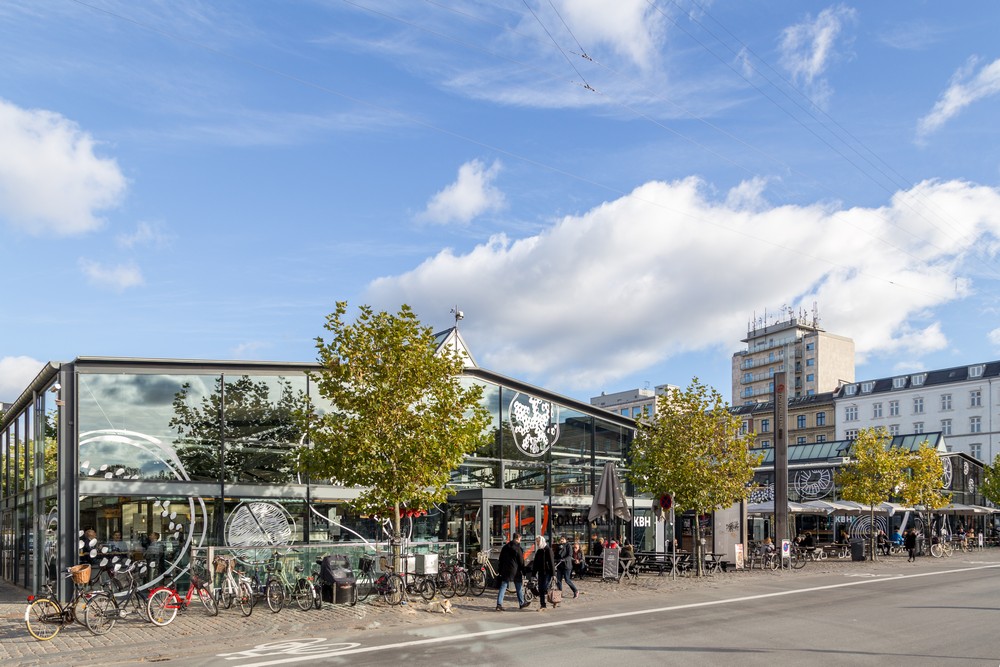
x=920, y=545
x=857, y=549
x=339, y=582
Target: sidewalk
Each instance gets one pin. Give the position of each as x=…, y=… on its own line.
x=134, y=641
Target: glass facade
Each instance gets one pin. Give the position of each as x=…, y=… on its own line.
x=163, y=456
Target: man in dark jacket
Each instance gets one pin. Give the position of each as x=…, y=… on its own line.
x=910, y=542
x=511, y=569
x=564, y=566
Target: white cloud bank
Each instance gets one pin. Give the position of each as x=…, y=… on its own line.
x=16, y=373
x=51, y=179
x=471, y=195
x=808, y=47
x=967, y=86
x=668, y=269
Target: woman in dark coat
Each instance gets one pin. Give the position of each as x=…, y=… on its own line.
x=511, y=567
x=544, y=567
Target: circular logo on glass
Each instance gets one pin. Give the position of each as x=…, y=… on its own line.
x=534, y=424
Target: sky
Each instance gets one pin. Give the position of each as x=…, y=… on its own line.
x=610, y=191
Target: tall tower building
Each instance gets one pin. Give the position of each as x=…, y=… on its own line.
x=815, y=361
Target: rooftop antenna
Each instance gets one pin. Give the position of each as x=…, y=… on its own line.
x=459, y=315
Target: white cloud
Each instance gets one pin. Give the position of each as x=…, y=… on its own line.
x=471, y=195
x=967, y=86
x=630, y=27
x=808, y=47
x=666, y=270
x=994, y=338
x=145, y=234
x=51, y=179
x=117, y=278
x=16, y=373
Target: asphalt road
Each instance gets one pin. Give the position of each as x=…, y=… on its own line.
x=944, y=613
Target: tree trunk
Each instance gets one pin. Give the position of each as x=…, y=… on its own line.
x=872, y=538
x=697, y=543
x=395, y=542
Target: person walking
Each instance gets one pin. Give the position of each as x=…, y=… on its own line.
x=910, y=543
x=544, y=567
x=511, y=568
x=564, y=566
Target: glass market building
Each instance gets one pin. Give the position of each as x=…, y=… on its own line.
x=198, y=452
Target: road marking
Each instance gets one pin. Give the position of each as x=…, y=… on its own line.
x=591, y=619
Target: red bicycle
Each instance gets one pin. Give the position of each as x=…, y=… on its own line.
x=165, y=601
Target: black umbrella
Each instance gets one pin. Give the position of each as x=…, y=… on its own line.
x=609, y=498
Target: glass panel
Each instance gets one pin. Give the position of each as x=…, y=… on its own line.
x=499, y=515
x=27, y=436
x=610, y=443
x=50, y=443
x=476, y=473
x=491, y=401
x=260, y=429
x=573, y=445
x=162, y=427
x=526, y=523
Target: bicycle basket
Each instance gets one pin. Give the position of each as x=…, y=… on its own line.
x=482, y=558
x=366, y=564
x=223, y=563
x=81, y=574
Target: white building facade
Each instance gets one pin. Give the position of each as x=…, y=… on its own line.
x=962, y=403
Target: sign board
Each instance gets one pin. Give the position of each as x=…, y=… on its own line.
x=738, y=555
x=610, y=570
x=786, y=548
x=980, y=538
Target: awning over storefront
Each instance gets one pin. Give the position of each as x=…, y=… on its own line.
x=768, y=508
x=832, y=507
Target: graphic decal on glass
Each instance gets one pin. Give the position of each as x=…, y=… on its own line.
x=813, y=484
x=120, y=454
x=533, y=423
x=258, y=523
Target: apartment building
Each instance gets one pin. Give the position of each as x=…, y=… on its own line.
x=963, y=403
x=633, y=403
x=814, y=360
x=811, y=419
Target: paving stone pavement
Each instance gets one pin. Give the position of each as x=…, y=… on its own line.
x=134, y=641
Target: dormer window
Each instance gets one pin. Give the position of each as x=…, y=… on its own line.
x=898, y=383
x=850, y=390
x=866, y=387
x=918, y=380
x=976, y=371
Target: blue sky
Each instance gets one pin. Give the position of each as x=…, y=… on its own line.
x=609, y=191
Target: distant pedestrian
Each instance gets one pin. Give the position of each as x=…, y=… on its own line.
x=564, y=567
x=910, y=543
x=511, y=568
x=544, y=567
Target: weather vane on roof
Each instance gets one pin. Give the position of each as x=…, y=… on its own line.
x=459, y=315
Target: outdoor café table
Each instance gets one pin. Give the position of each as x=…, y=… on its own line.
x=652, y=561
x=713, y=562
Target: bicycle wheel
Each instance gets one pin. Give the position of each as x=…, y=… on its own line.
x=393, y=590
x=529, y=597
x=477, y=582
x=245, y=599
x=101, y=614
x=79, y=608
x=43, y=618
x=138, y=602
x=461, y=580
x=274, y=593
x=773, y=562
x=227, y=594
x=936, y=550
x=318, y=596
x=365, y=586
x=303, y=594
x=798, y=560
x=163, y=605
x=446, y=584
x=204, y=594
x=427, y=588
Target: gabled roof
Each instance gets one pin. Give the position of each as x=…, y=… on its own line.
x=452, y=338
x=938, y=377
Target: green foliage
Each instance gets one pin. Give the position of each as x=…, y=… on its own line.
x=875, y=470
x=990, y=488
x=693, y=449
x=402, y=419
x=922, y=486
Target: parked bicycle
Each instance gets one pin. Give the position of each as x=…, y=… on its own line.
x=941, y=549
x=387, y=585
x=279, y=590
x=166, y=601
x=236, y=586
x=123, y=596
x=45, y=616
x=452, y=578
